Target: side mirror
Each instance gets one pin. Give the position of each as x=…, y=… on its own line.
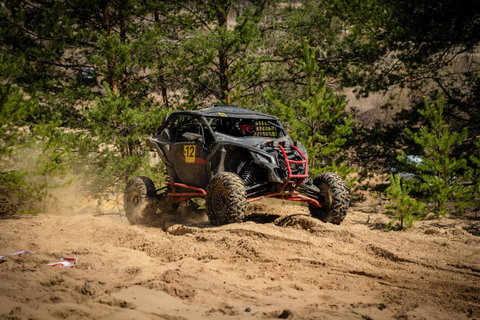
x=190, y=136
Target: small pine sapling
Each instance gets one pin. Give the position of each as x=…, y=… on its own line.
x=404, y=208
x=439, y=171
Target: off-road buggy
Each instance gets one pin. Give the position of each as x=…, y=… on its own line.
x=231, y=156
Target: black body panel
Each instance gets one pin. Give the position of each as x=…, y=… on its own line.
x=196, y=145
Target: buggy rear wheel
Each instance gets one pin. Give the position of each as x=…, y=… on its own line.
x=226, y=199
x=140, y=200
x=334, y=198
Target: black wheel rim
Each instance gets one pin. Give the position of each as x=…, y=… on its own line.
x=219, y=203
x=134, y=199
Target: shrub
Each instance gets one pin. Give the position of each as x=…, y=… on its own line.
x=404, y=208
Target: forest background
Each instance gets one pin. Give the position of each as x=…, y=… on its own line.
x=365, y=85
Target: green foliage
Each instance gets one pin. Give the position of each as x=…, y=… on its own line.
x=410, y=44
x=52, y=153
x=29, y=160
x=317, y=118
x=440, y=172
x=286, y=30
x=404, y=208
x=196, y=53
x=113, y=149
x=20, y=189
x=471, y=196
x=221, y=59
x=419, y=42
x=14, y=193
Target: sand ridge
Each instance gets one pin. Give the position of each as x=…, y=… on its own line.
x=279, y=263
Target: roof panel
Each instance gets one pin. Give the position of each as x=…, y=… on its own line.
x=234, y=112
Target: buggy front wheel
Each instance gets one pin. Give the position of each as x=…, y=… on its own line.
x=334, y=198
x=226, y=199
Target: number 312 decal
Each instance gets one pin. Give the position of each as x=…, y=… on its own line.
x=189, y=151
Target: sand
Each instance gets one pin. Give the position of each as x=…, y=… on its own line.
x=280, y=263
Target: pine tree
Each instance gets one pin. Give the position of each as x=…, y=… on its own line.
x=286, y=27
x=21, y=188
x=440, y=170
x=117, y=129
x=316, y=118
x=220, y=56
x=403, y=207
x=14, y=108
x=399, y=44
x=58, y=39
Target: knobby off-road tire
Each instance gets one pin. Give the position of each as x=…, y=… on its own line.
x=334, y=197
x=226, y=199
x=140, y=200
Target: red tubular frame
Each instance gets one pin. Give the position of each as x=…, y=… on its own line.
x=185, y=196
x=294, y=176
x=278, y=195
x=301, y=177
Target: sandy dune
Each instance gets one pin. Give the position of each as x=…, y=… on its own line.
x=280, y=263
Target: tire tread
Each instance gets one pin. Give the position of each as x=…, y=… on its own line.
x=236, y=202
x=337, y=212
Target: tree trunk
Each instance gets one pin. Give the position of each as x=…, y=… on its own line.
x=222, y=15
x=123, y=38
x=163, y=86
x=110, y=60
